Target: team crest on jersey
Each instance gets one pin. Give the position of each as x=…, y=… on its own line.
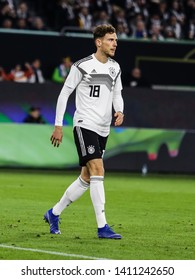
x=91, y=149
x=112, y=71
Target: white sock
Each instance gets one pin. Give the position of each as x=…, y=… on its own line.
x=73, y=192
x=98, y=199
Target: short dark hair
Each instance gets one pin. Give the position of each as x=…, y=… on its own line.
x=34, y=108
x=101, y=30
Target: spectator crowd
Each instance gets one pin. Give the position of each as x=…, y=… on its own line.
x=29, y=72
x=32, y=72
x=140, y=19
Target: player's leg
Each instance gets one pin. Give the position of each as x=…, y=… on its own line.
x=72, y=193
x=97, y=193
x=91, y=147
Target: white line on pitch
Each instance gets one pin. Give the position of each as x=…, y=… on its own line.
x=50, y=252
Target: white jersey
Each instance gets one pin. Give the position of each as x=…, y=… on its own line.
x=98, y=87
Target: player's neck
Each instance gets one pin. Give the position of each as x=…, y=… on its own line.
x=101, y=57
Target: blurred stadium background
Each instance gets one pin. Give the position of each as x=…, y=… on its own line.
x=158, y=131
x=160, y=121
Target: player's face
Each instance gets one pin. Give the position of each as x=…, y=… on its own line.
x=109, y=44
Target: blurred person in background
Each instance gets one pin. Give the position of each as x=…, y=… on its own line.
x=7, y=23
x=169, y=33
x=176, y=10
x=85, y=19
x=3, y=75
x=34, y=116
x=122, y=31
x=38, y=24
x=136, y=78
x=61, y=71
x=119, y=17
x=36, y=72
x=155, y=33
x=64, y=15
x=163, y=11
x=101, y=18
x=141, y=8
x=140, y=31
x=20, y=75
x=101, y=6
x=189, y=31
x=175, y=26
x=21, y=24
x=23, y=11
x=7, y=14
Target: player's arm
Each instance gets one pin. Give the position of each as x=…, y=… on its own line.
x=57, y=135
x=118, y=105
x=70, y=84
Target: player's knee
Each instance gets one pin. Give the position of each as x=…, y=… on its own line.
x=85, y=174
x=95, y=167
x=85, y=178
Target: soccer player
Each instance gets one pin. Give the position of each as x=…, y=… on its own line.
x=97, y=80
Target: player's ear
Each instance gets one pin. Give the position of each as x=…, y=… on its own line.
x=98, y=42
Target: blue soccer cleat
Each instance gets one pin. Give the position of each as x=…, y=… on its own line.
x=107, y=232
x=53, y=222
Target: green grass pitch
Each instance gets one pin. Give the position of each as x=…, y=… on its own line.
x=155, y=215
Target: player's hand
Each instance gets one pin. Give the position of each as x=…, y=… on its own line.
x=119, y=116
x=56, y=137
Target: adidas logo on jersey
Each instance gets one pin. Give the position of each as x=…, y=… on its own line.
x=93, y=71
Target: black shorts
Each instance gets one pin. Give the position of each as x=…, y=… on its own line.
x=89, y=144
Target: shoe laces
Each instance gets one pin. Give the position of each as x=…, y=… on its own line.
x=110, y=228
